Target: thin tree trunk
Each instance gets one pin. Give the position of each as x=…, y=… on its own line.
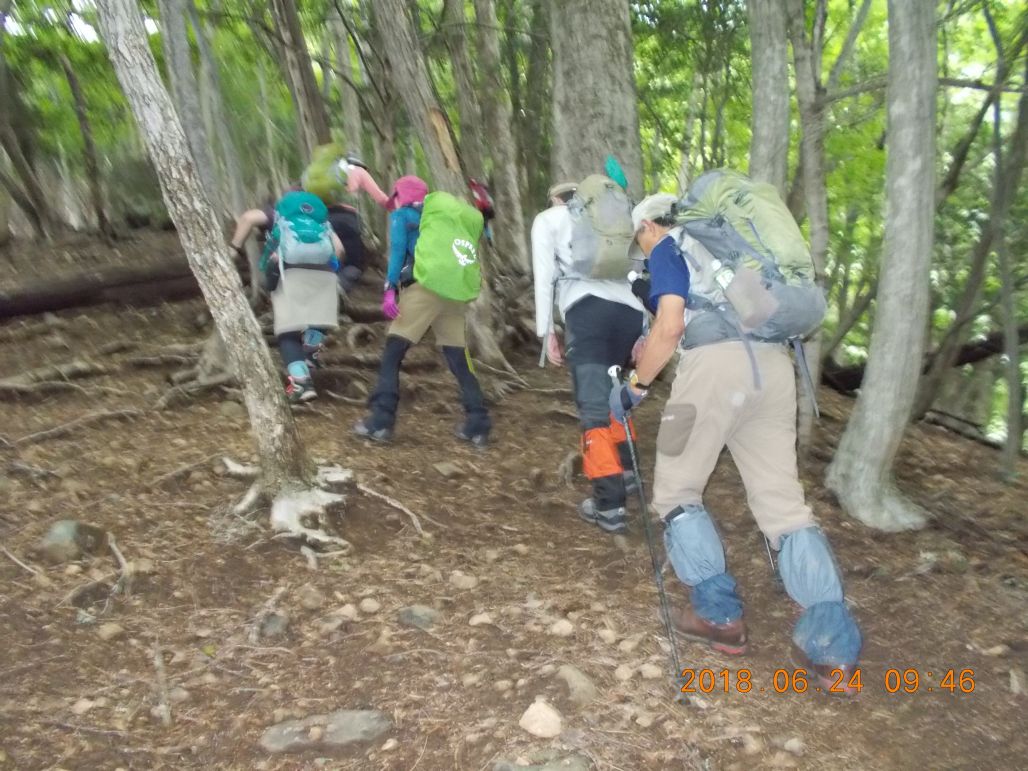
x=283, y=463
x=807, y=63
x=685, y=162
x=769, y=144
x=538, y=118
x=457, y=37
x=184, y=88
x=347, y=92
x=23, y=202
x=232, y=173
x=511, y=233
x=89, y=151
x=861, y=473
x=595, y=106
x=311, y=118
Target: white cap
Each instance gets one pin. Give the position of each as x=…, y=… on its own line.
x=652, y=207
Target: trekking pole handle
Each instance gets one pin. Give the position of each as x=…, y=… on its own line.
x=615, y=374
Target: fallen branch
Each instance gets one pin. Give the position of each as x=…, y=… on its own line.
x=569, y=468
x=191, y=388
x=163, y=708
x=181, y=471
x=18, y=562
x=124, y=583
x=56, y=386
x=341, y=398
x=63, y=371
x=396, y=505
x=85, y=420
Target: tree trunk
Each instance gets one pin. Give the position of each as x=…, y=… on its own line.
x=1008, y=179
x=231, y=169
x=769, y=144
x=685, y=163
x=511, y=233
x=283, y=463
x=595, y=111
x=89, y=151
x=311, y=118
x=185, y=89
x=411, y=81
x=457, y=37
x=806, y=57
x=537, y=123
x=861, y=473
x=347, y=87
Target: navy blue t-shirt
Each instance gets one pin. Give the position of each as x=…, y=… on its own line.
x=668, y=272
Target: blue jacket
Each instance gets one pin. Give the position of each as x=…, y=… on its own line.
x=404, y=226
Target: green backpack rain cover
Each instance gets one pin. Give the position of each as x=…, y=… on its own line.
x=324, y=177
x=446, y=254
x=601, y=230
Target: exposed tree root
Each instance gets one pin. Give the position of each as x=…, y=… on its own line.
x=62, y=371
x=85, y=420
x=569, y=468
x=396, y=505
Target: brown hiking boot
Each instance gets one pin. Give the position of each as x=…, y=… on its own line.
x=727, y=638
x=831, y=679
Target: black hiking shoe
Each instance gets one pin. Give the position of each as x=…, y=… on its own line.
x=610, y=521
x=479, y=440
x=366, y=427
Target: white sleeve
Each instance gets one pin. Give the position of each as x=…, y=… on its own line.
x=544, y=265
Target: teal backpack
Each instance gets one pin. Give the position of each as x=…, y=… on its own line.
x=446, y=254
x=300, y=232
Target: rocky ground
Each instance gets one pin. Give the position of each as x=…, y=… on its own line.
x=509, y=633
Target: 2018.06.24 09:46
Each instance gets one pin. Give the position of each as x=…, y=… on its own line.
x=894, y=680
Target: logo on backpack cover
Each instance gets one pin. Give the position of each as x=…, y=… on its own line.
x=465, y=252
x=306, y=208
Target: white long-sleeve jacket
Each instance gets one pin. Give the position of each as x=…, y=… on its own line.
x=551, y=258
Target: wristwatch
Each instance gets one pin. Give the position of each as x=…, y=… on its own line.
x=633, y=380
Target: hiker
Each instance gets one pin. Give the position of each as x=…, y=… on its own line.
x=602, y=321
x=432, y=276
x=336, y=178
x=300, y=260
x=734, y=387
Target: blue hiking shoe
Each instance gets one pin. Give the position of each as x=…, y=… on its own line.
x=300, y=390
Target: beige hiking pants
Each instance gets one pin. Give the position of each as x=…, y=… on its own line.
x=714, y=402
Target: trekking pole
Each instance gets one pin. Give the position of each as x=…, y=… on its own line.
x=658, y=578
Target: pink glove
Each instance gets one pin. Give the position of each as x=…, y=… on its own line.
x=389, y=306
x=638, y=348
x=555, y=349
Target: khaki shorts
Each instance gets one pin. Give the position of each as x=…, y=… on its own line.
x=422, y=308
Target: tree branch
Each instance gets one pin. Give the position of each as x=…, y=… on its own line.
x=847, y=47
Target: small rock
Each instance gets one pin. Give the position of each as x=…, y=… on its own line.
x=461, y=580
x=109, y=631
x=311, y=597
x=997, y=650
x=542, y=720
x=751, y=745
x=644, y=719
x=480, y=619
x=274, y=624
x=69, y=539
x=650, y=671
x=520, y=548
x=348, y=612
x=608, y=636
x=503, y=685
x=1017, y=681
x=491, y=555
x=337, y=729
x=82, y=706
x=470, y=679
x=448, y=470
x=794, y=745
x=177, y=695
x=624, y=672
x=383, y=645
x=629, y=644
x=580, y=688
x=231, y=409
x=420, y=616
x=567, y=763
x=622, y=543
x=332, y=623
x=562, y=628
x=390, y=745
x=782, y=760
x=72, y=570
x=144, y=566
x=370, y=605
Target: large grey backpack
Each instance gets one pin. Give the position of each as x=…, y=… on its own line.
x=601, y=230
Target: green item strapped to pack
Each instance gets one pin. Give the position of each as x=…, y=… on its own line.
x=325, y=177
x=446, y=254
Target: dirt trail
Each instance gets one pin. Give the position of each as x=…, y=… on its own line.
x=949, y=597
